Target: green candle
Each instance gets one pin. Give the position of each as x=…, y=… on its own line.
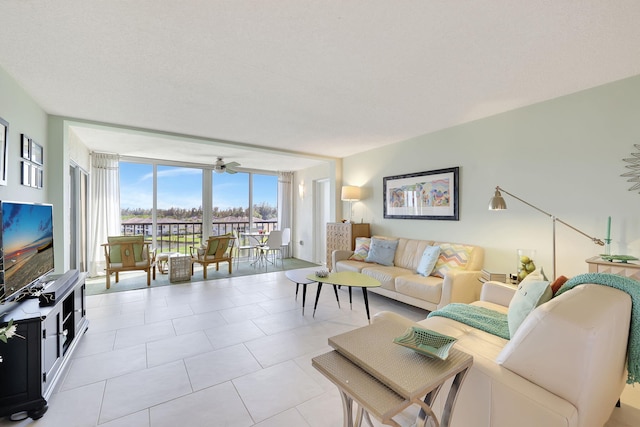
x=609, y=229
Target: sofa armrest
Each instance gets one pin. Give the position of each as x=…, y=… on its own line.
x=339, y=255
x=575, y=346
x=497, y=293
x=460, y=286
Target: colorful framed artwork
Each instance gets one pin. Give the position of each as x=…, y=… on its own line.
x=4, y=150
x=422, y=195
x=25, y=147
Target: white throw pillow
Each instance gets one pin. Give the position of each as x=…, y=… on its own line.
x=531, y=293
x=428, y=260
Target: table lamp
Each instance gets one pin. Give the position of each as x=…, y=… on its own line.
x=497, y=203
x=350, y=194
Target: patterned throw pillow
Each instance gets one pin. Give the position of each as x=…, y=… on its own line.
x=452, y=257
x=362, y=249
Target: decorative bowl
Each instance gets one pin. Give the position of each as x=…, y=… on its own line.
x=322, y=273
x=426, y=342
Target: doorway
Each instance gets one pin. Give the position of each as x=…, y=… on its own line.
x=322, y=215
x=78, y=202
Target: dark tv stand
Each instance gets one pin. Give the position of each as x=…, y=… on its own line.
x=31, y=367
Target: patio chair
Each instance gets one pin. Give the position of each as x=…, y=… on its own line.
x=217, y=249
x=128, y=253
x=272, y=245
x=238, y=247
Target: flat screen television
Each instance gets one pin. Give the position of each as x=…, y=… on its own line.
x=27, y=246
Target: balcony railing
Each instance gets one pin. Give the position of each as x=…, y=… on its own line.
x=180, y=236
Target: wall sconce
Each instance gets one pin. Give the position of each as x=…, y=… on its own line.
x=350, y=194
x=301, y=189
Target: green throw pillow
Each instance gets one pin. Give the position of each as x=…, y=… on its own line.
x=115, y=252
x=530, y=294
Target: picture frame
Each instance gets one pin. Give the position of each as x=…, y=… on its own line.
x=26, y=173
x=4, y=150
x=36, y=153
x=25, y=147
x=422, y=195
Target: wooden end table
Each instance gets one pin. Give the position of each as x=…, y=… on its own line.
x=386, y=381
x=346, y=278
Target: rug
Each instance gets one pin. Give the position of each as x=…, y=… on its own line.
x=138, y=279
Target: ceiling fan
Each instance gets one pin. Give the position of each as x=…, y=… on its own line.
x=220, y=166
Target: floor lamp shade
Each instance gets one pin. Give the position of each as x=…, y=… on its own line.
x=497, y=203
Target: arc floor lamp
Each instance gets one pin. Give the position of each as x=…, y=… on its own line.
x=497, y=203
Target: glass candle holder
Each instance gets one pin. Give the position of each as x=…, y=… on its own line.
x=526, y=262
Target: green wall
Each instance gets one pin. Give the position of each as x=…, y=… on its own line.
x=563, y=155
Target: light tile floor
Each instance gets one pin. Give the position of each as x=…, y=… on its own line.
x=229, y=352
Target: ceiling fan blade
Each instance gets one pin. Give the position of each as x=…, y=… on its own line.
x=232, y=164
x=232, y=171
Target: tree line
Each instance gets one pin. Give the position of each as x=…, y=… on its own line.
x=262, y=211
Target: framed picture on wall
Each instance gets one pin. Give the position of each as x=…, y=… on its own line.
x=26, y=173
x=4, y=134
x=36, y=152
x=422, y=195
x=26, y=147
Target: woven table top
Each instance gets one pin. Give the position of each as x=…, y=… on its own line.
x=405, y=371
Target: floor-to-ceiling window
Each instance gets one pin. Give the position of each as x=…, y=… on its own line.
x=136, y=198
x=265, y=201
x=230, y=202
x=238, y=201
x=178, y=208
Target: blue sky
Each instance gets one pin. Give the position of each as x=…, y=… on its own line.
x=182, y=187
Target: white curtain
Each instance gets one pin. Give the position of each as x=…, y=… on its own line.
x=105, y=207
x=285, y=202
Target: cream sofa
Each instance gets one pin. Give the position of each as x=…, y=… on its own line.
x=402, y=283
x=564, y=366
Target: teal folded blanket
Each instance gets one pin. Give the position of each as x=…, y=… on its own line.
x=482, y=318
x=632, y=287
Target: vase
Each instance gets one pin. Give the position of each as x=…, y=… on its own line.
x=526, y=262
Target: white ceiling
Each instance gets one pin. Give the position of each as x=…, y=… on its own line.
x=326, y=77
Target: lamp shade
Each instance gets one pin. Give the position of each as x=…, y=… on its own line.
x=350, y=193
x=497, y=203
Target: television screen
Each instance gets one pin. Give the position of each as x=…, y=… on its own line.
x=27, y=245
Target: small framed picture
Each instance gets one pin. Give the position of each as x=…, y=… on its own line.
x=26, y=174
x=26, y=147
x=36, y=153
x=40, y=177
x=4, y=151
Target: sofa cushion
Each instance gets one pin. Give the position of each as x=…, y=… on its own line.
x=362, y=249
x=452, y=257
x=530, y=294
x=385, y=275
x=382, y=251
x=409, y=252
x=424, y=288
x=428, y=261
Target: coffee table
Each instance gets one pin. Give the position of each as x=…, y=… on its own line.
x=386, y=381
x=299, y=277
x=346, y=278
